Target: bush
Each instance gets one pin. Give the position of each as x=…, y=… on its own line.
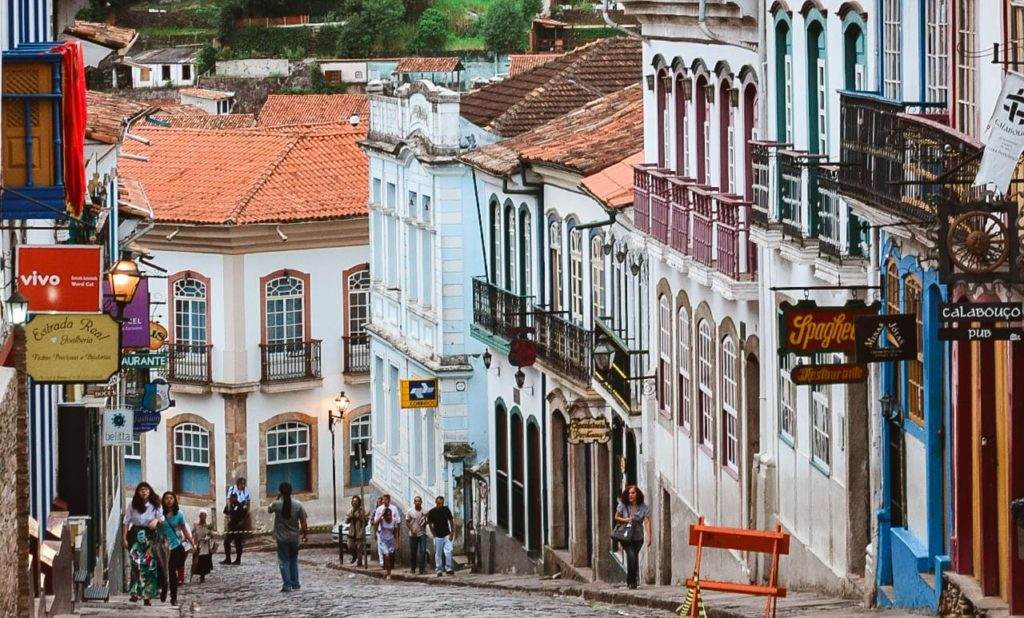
x=97, y=10
x=206, y=60
x=260, y=41
x=432, y=31
x=503, y=27
x=531, y=9
x=226, y=15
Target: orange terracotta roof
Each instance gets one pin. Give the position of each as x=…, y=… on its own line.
x=237, y=177
x=584, y=141
x=173, y=109
x=131, y=192
x=445, y=64
x=547, y=22
x=537, y=96
x=206, y=121
x=292, y=109
x=106, y=115
x=521, y=63
x=205, y=93
x=613, y=186
x=114, y=37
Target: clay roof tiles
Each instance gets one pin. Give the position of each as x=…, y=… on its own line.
x=585, y=141
x=205, y=93
x=295, y=109
x=106, y=115
x=446, y=64
x=613, y=186
x=225, y=177
x=113, y=37
x=207, y=121
x=541, y=94
x=521, y=63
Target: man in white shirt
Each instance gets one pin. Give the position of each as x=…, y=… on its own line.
x=378, y=514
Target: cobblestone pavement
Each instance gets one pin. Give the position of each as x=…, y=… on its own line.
x=253, y=589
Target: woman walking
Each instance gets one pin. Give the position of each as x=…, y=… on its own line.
x=637, y=516
x=289, y=518
x=143, y=515
x=387, y=540
x=356, y=519
x=202, y=560
x=174, y=522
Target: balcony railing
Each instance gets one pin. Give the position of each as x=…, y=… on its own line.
x=289, y=361
x=498, y=311
x=766, y=178
x=642, y=184
x=563, y=345
x=736, y=255
x=680, y=207
x=357, y=354
x=660, y=197
x=188, y=363
x=892, y=159
x=623, y=376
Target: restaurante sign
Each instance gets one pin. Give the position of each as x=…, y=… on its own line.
x=589, y=430
x=808, y=329
x=77, y=348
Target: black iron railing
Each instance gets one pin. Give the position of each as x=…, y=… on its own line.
x=623, y=374
x=563, y=346
x=357, y=354
x=499, y=312
x=188, y=362
x=291, y=360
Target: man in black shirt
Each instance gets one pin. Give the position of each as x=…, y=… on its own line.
x=442, y=527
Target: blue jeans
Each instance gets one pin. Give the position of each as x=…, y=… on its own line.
x=288, y=562
x=632, y=562
x=442, y=553
x=418, y=552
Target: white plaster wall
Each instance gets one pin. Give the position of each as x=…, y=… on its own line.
x=253, y=67
x=210, y=106
x=352, y=72
x=154, y=80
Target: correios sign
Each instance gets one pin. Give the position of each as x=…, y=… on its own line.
x=60, y=278
x=807, y=329
x=77, y=348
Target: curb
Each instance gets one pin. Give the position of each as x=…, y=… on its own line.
x=610, y=597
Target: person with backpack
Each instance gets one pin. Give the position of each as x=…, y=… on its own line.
x=289, y=521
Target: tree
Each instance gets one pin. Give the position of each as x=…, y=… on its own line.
x=370, y=25
x=432, y=31
x=531, y=9
x=503, y=27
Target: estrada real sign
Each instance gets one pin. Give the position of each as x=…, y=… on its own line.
x=890, y=337
x=807, y=329
x=118, y=427
x=60, y=278
x=419, y=393
x=589, y=431
x=73, y=348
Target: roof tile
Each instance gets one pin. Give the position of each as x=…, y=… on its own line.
x=429, y=65
x=613, y=186
x=106, y=115
x=521, y=63
x=99, y=33
x=296, y=109
x=205, y=93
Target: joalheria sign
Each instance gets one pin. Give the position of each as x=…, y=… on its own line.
x=807, y=329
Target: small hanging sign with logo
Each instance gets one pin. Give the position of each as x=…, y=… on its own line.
x=589, y=431
x=807, y=329
x=118, y=426
x=882, y=338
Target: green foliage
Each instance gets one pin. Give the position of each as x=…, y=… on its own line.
x=226, y=15
x=531, y=8
x=432, y=31
x=371, y=27
x=96, y=10
x=259, y=41
x=504, y=28
x=415, y=8
x=319, y=85
x=206, y=15
x=206, y=60
x=581, y=36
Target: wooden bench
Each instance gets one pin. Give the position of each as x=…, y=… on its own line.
x=774, y=542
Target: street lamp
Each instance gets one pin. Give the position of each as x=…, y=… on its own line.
x=123, y=279
x=16, y=307
x=334, y=416
x=890, y=408
x=602, y=354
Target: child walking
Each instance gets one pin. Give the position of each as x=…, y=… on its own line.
x=142, y=559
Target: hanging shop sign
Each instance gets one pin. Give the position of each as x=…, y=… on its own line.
x=144, y=360
x=881, y=338
x=157, y=396
x=60, y=278
x=118, y=427
x=146, y=420
x=135, y=318
x=1005, y=140
x=73, y=348
x=808, y=329
x=828, y=374
x=419, y=392
x=589, y=431
x=977, y=320
x=157, y=336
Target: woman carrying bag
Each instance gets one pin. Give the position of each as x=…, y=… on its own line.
x=632, y=524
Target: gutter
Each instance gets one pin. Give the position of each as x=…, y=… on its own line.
x=611, y=24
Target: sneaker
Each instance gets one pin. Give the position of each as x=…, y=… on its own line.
x=296, y=587
x=146, y=602
x=286, y=589
x=134, y=598
x=439, y=573
x=226, y=561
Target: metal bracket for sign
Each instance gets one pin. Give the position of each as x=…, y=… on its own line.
x=790, y=288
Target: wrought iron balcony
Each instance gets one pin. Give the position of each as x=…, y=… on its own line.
x=188, y=363
x=290, y=361
x=643, y=185
x=892, y=159
x=563, y=345
x=357, y=354
x=623, y=376
x=839, y=230
x=766, y=178
x=498, y=311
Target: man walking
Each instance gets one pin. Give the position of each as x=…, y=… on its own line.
x=416, y=522
x=442, y=528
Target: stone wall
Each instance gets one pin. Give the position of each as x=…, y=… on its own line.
x=14, y=499
x=251, y=94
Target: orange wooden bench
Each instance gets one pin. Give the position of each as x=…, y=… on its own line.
x=774, y=542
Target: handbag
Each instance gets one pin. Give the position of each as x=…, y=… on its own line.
x=622, y=532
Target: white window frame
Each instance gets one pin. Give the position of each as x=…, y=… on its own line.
x=822, y=100
x=821, y=426
x=527, y=256
x=731, y=149
x=967, y=67
x=730, y=397
x=576, y=275
x=892, y=26
x=496, y=249
x=684, y=395
x=706, y=383
x=288, y=314
x=295, y=435
x=555, y=266
x=597, y=284
x=665, y=354
x=787, y=399
x=788, y=85
x=510, y=237
x=188, y=448
x=190, y=303
x=358, y=297
x=936, y=50
x=134, y=450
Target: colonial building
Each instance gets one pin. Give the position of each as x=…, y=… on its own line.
x=262, y=238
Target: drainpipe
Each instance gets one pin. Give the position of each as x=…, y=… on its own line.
x=611, y=24
x=702, y=16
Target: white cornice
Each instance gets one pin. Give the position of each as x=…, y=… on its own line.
x=262, y=238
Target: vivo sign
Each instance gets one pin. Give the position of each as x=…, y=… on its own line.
x=60, y=278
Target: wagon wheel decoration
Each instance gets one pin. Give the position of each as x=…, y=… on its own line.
x=978, y=242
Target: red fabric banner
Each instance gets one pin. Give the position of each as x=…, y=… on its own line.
x=73, y=125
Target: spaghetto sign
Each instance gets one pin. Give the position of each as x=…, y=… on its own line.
x=807, y=329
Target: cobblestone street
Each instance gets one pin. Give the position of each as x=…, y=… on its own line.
x=252, y=589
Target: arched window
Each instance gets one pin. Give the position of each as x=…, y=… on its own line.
x=729, y=397
x=555, y=264
x=683, y=365
x=525, y=253
x=726, y=140
x=892, y=48
x=510, y=248
x=597, y=284
x=664, y=355
x=705, y=383
x=358, y=308
x=784, y=77
x=191, y=460
x=892, y=305
x=682, y=130
x=576, y=275
x=190, y=311
x=360, y=462
x=661, y=84
x=750, y=120
x=703, y=121
x=817, y=88
x=288, y=456
x=915, y=368
x=496, y=271
x=936, y=50
x=285, y=309
x=501, y=472
x=855, y=57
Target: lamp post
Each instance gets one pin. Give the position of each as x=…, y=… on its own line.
x=123, y=279
x=334, y=416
